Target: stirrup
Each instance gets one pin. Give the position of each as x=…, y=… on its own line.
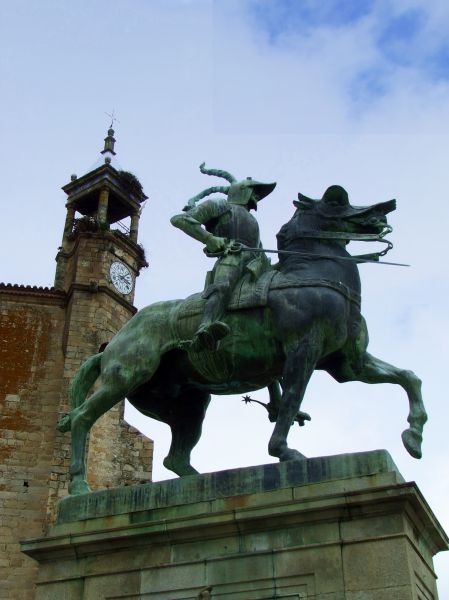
x=208, y=336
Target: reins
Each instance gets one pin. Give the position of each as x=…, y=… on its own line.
x=355, y=237
x=236, y=247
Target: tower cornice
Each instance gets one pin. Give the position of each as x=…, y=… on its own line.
x=83, y=193
x=114, y=237
x=101, y=289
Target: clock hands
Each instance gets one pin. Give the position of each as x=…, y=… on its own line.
x=125, y=277
x=121, y=277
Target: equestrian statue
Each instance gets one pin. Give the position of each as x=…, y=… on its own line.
x=253, y=326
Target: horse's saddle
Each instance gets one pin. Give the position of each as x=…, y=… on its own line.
x=253, y=293
x=248, y=293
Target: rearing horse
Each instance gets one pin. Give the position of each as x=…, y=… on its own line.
x=311, y=320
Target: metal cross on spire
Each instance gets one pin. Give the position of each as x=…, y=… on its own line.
x=113, y=118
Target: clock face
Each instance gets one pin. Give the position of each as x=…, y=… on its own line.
x=121, y=277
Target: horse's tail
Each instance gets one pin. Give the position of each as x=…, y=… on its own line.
x=84, y=379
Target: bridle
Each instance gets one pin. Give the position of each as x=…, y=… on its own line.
x=355, y=237
x=236, y=247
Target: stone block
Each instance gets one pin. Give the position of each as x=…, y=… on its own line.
x=335, y=528
x=376, y=564
x=296, y=476
x=393, y=593
x=112, y=586
x=67, y=590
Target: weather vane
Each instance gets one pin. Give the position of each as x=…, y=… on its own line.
x=113, y=117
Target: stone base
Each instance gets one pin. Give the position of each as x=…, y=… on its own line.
x=331, y=528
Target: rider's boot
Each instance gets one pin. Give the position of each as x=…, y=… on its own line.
x=209, y=334
x=211, y=329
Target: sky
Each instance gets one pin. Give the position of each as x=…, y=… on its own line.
x=305, y=93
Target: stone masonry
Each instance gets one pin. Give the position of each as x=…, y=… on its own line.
x=46, y=334
x=34, y=457
x=31, y=365
x=341, y=527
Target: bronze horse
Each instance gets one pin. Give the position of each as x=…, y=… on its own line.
x=311, y=321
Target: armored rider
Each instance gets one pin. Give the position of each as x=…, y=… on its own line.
x=221, y=223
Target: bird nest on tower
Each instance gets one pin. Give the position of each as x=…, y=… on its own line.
x=131, y=183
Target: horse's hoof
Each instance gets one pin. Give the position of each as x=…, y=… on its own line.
x=64, y=423
x=412, y=441
x=78, y=487
x=181, y=469
x=291, y=454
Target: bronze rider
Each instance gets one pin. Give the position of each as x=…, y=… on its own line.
x=219, y=223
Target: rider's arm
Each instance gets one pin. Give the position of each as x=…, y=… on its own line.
x=192, y=222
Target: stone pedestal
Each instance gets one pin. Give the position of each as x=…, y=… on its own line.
x=330, y=528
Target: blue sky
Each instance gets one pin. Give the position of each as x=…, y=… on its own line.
x=331, y=67
x=400, y=41
x=277, y=17
x=355, y=93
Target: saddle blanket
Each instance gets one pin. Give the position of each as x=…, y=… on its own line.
x=250, y=293
x=247, y=294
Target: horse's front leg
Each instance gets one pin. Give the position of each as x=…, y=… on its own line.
x=374, y=370
x=298, y=369
x=378, y=371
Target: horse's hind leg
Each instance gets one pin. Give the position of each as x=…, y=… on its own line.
x=374, y=370
x=82, y=419
x=118, y=380
x=186, y=423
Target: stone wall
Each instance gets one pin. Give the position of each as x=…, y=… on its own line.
x=44, y=339
x=31, y=365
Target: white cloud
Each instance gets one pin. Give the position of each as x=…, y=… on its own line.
x=332, y=79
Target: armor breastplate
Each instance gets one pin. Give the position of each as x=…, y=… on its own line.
x=237, y=224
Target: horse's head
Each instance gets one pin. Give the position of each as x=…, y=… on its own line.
x=334, y=213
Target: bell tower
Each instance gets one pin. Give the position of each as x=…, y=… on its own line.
x=96, y=202
x=97, y=266
x=45, y=335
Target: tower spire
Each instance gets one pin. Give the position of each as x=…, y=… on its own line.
x=109, y=140
x=108, y=149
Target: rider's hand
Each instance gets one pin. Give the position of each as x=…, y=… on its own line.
x=215, y=244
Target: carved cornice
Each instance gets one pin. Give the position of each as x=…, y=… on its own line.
x=114, y=237
x=104, y=175
x=101, y=289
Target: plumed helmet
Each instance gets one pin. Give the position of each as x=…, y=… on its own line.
x=242, y=192
x=238, y=192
